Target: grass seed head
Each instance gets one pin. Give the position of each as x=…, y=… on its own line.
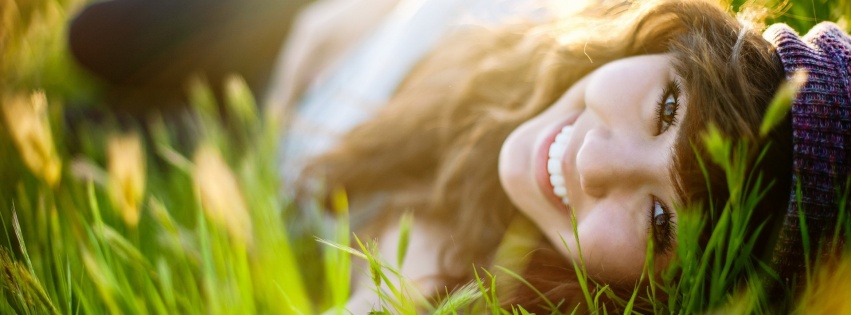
x=220, y=195
x=126, y=167
x=28, y=124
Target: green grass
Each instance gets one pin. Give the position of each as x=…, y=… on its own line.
x=158, y=238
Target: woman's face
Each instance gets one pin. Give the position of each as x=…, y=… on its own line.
x=603, y=151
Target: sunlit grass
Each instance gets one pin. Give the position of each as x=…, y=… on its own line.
x=135, y=224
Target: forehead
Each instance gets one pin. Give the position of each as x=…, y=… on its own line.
x=642, y=64
x=643, y=75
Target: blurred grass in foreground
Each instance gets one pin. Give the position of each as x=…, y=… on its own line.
x=136, y=224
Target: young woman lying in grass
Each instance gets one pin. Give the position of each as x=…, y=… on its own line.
x=593, y=127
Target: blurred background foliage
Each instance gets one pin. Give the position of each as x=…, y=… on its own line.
x=803, y=14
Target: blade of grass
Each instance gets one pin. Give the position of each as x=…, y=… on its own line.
x=529, y=285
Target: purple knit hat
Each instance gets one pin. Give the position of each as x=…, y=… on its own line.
x=821, y=137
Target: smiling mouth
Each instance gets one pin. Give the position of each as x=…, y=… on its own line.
x=550, y=175
x=554, y=155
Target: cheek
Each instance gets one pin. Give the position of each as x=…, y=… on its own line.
x=613, y=246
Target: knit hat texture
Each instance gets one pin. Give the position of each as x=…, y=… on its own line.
x=821, y=138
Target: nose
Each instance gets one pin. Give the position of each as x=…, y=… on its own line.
x=608, y=160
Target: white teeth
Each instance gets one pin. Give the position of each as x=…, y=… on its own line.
x=560, y=191
x=555, y=153
x=557, y=150
x=557, y=180
x=554, y=166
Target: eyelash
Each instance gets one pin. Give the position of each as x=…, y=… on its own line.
x=662, y=232
x=661, y=226
x=665, y=120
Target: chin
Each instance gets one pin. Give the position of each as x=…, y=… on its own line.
x=515, y=167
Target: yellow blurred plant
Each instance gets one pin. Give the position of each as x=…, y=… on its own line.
x=126, y=167
x=28, y=124
x=220, y=195
x=829, y=292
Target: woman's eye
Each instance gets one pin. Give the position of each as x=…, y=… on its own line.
x=666, y=111
x=661, y=227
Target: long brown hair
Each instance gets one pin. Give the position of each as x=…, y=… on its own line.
x=434, y=147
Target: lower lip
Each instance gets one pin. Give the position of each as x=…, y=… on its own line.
x=541, y=174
